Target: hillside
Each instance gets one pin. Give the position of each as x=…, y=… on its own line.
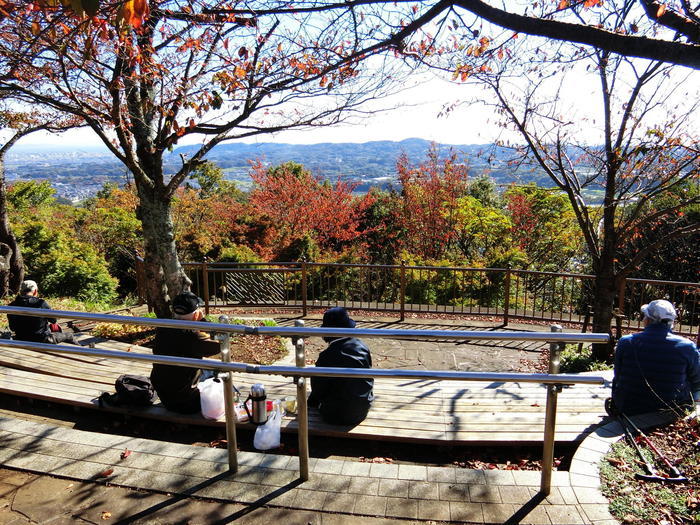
x=79, y=171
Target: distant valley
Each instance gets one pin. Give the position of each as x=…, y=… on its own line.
x=79, y=171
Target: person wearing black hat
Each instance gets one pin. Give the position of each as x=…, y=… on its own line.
x=177, y=385
x=342, y=401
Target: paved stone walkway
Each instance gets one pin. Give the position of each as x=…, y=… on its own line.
x=187, y=484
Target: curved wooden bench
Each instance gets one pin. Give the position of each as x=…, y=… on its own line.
x=427, y=411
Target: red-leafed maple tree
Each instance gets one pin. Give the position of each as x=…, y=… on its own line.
x=143, y=75
x=430, y=194
x=295, y=203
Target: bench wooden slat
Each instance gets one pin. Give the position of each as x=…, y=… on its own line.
x=429, y=411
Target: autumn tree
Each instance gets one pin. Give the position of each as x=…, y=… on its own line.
x=544, y=227
x=383, y=231
x=62, y=262
x=674, y=37
x=108, y=222
x=430, y=193
x=634, y=148
x=19, y=123
x=484, y=235
x=145, y=74
x=299, y=208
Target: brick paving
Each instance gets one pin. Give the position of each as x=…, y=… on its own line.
x=59, y=475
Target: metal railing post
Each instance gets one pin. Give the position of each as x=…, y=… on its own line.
x=302, y=407
x=550, y=420
x=232, y=444
x=621, y=295
x=402, y=291
x=304, y=284
x=506, y=299
x=205, y=285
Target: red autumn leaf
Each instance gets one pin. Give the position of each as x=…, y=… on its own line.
x=661, y=10
x=125, y=454
x=563, y=4
x=105, y=473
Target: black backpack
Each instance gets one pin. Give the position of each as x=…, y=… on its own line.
x=131, y=391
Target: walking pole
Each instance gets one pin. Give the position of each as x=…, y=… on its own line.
x=653, y=475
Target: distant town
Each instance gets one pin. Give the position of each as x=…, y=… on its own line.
x=77, y=172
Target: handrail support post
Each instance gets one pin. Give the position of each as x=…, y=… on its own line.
x=232, y=444
x=550, y=416
x=304, y=288
x=302, y=407
x=205, y=284
x=402, y=291
x=506, y=298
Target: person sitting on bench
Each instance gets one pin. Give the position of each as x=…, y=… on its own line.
x=35, y=329
x=341, y=400
x=177, y=385
x=655, y=369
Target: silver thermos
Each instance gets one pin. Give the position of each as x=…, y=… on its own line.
x=258, y=401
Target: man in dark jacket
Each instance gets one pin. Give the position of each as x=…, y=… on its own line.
x=177, y=385
x=655, y=369
x=342, y=401
x=35, y=329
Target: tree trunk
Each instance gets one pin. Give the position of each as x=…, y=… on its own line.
x=165, y=277
x=603, y=304
x=15, y=274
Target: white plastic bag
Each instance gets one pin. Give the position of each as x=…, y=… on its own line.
x=267, y=436
x=211, y=398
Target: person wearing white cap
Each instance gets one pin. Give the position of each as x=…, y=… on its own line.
x=656, y=369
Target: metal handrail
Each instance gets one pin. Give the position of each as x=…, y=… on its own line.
x=292, y=371
x=282, y=331
x=553, y=380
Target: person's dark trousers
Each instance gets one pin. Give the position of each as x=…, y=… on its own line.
x=60, y=337
x=187, y=405
x=343, y=413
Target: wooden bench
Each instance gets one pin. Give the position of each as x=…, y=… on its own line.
x=427, y=411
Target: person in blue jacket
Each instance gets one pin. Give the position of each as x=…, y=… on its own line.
x=342, y=401
x=656, y=369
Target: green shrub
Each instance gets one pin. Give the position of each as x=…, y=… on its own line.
x=572, y=361
x=64, y=266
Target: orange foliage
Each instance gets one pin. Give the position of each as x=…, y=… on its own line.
x=294, y=203
x=430, y=193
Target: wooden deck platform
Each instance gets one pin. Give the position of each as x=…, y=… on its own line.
x=437, y=412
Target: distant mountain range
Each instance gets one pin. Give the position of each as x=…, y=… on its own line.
x=79, y=171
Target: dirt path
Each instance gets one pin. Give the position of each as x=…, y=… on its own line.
x=477, y=356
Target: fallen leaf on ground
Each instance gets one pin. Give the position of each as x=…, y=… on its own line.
x=105, y=515
x=105, y=473
x=125, y=454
